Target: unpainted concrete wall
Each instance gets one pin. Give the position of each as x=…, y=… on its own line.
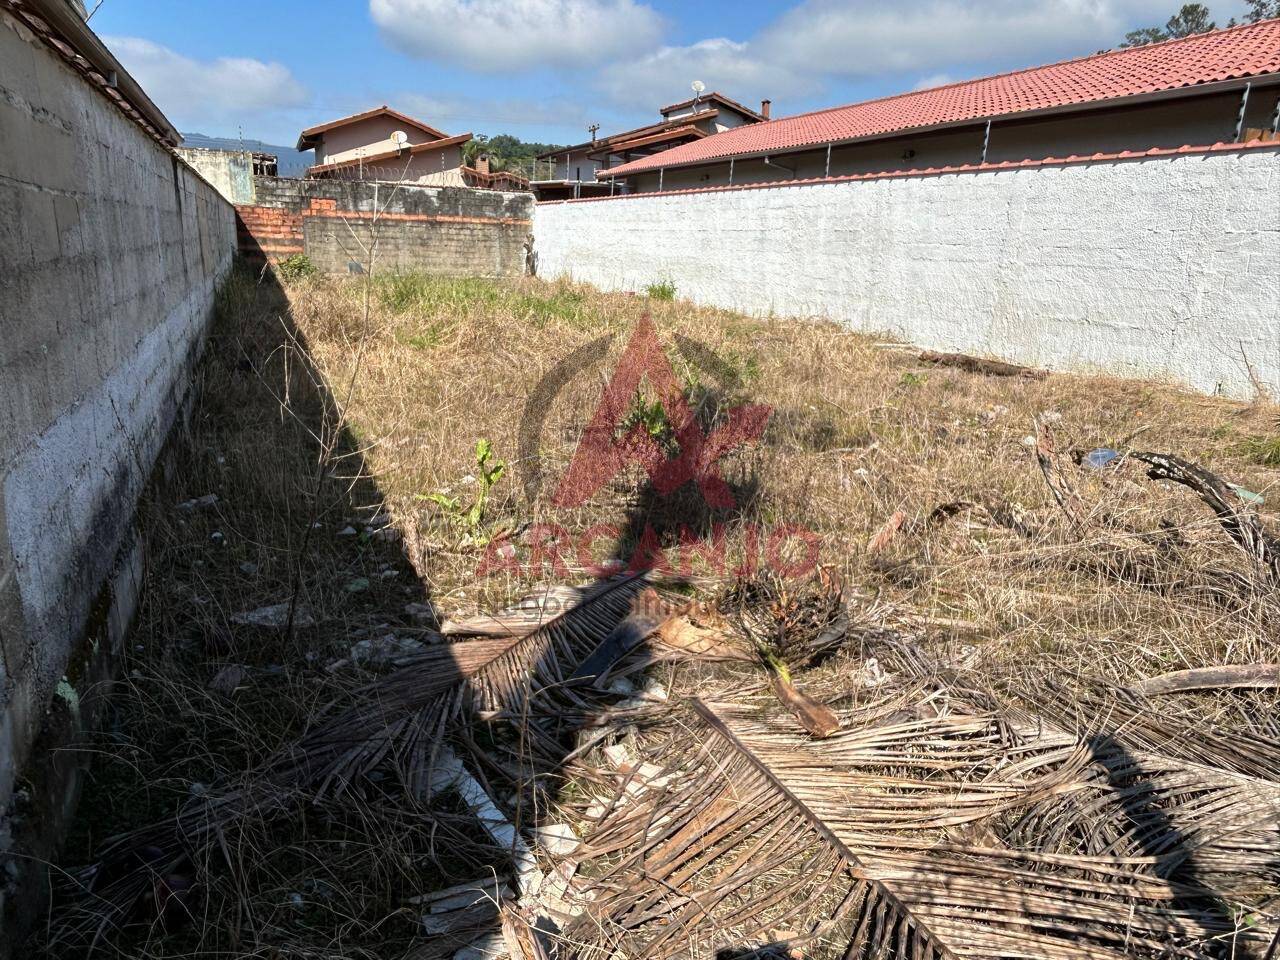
x=1163, y=267
x=449, y=231
x=230, y=172
x=110, y=252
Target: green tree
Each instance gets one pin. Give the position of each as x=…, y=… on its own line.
x=504, y=150
x=1262, y=10
x=1193, y=18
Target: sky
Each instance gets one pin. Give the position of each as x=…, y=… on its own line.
x=544, y=70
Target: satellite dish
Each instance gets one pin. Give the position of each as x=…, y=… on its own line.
x=698, y=86
x=399, y=138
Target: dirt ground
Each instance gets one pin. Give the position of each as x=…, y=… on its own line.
x=372, y=459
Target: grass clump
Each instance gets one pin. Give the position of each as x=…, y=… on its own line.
x=664, y=290
x=296, y=268
x=1264, y=451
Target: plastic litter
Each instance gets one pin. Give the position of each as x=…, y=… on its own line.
x=1248, y=496
x=1100, y=458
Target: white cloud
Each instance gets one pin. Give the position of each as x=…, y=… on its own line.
x=735, y=69
x=934, y=80
x=492, y=115
x=508, y=36
x=208, y=94
x=859, y=38
x=818, y=42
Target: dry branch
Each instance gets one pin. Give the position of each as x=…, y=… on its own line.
x=1244, y=676
x=1240, y=524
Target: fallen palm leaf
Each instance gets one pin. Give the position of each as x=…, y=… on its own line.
x=701, y=633
x=1050, y=460
x=396, y=728
x=885, y=535
x=991, y=368
x=951, y=836
x=1241, y=525
x=519, y=619
x=647, y=614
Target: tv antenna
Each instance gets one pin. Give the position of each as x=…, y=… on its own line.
x=592, y=130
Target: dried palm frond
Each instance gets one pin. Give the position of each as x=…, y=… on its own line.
x=958, y=835
x=1133, y=721
x=397, y=728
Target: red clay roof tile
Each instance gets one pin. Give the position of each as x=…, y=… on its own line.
x=1245, y=51
x=921, y=173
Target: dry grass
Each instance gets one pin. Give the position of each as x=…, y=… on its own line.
x=857, y=433
x=314, y=417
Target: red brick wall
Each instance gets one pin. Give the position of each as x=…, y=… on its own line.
x=451, y=230
x=268, y=233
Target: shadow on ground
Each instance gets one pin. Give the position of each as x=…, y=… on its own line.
x=279, y=770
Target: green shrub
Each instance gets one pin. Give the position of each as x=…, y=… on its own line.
x=665, y=290
x=295, y=268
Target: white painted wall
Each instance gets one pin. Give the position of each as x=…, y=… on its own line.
x=1159, y=268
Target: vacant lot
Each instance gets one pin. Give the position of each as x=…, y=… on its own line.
x=857, y=433
x=327, y=511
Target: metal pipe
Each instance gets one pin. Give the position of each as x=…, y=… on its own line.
x=986, y=142
x=661, y=171
x=731, y=171
x=827, y=171
x=769, y=163
x=1275, y=119
x=1244, y=106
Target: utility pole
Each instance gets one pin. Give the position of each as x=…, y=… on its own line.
x=593, y=128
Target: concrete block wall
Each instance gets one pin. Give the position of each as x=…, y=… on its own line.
x=450, y=231
x=1164, y=267
x=230, y=172
x=111, y=250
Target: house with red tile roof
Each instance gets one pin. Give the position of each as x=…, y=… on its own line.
x=384, y=144
x=1219, y=87
x=572, y=171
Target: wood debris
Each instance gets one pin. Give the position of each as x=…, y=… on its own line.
x=1243, y=676
x=991, y=368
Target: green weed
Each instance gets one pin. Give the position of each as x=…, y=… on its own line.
x=295, y=268
x=471, y=518
x=652, y=416
x=663, y=290
x=1264, y=451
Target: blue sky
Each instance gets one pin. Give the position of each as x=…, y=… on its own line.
x=545, y=69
